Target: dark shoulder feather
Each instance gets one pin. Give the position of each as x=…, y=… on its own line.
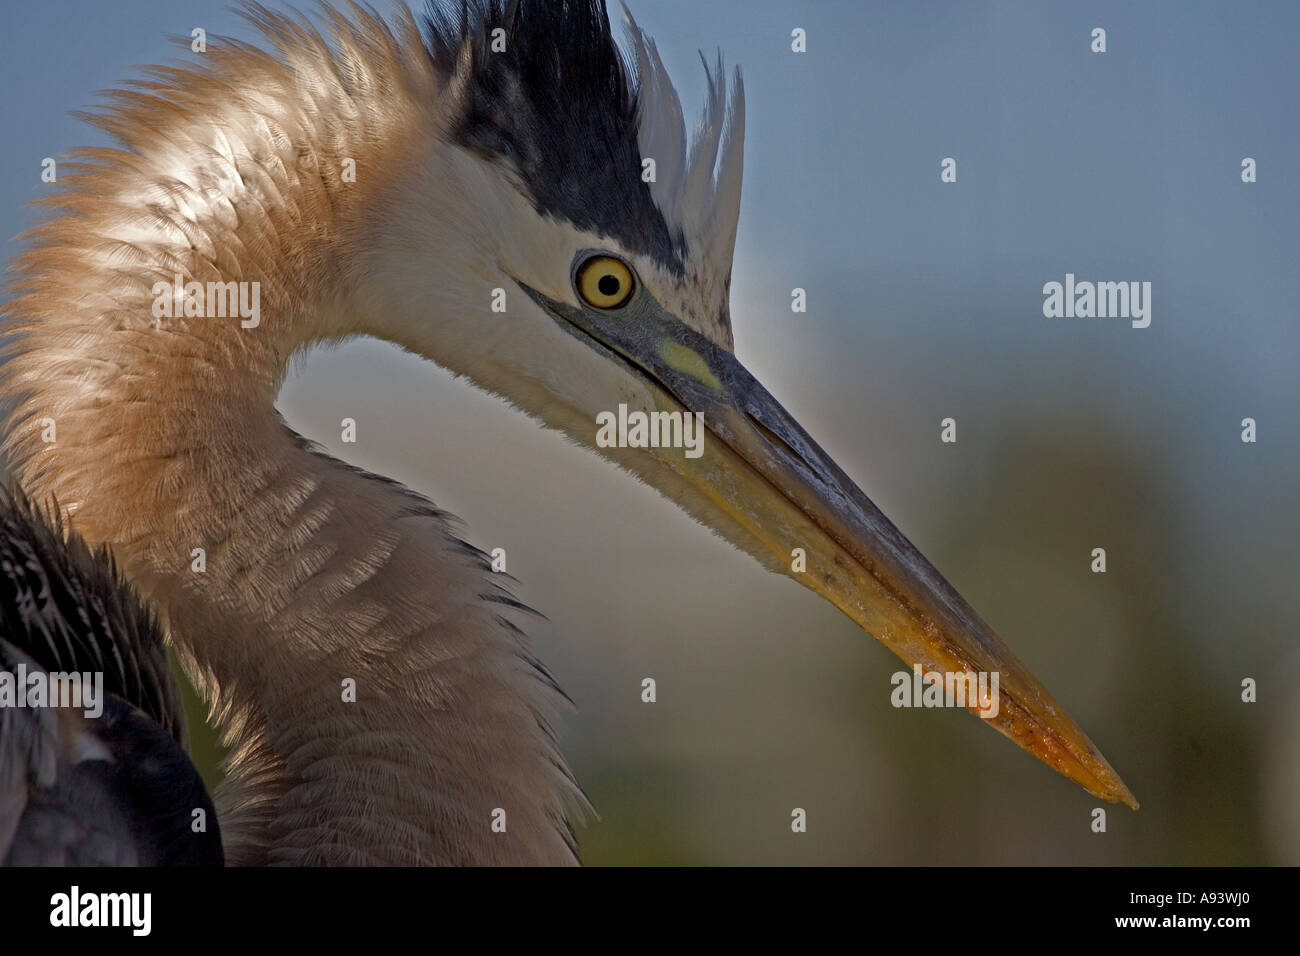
x=76, y=789
x=69, y=609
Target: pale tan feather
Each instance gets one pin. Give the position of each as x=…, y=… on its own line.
x=168, y=441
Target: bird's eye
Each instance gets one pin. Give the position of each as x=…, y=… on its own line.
x=604, y=282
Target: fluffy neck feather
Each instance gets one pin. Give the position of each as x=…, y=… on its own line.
x=168, y=441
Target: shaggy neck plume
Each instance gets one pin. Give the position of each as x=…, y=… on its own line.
x=382, y=705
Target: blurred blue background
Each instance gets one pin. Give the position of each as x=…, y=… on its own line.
x=924, y=302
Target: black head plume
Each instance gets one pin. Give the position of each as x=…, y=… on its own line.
x=545, y=89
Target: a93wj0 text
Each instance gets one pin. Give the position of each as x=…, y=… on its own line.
x=1184, y=897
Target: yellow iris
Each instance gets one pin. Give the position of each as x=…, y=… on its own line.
x=604, y=282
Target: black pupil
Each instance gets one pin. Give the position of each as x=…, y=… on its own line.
x=608, y=285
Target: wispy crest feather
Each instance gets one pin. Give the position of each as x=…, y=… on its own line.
x=697, y=187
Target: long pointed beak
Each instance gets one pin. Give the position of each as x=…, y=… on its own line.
x=773, y=480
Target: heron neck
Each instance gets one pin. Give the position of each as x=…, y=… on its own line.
x=365, y=666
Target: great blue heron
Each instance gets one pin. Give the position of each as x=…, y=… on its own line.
x=497, y=189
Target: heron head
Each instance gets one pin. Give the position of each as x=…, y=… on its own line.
x=560, y=170
x=563, y=244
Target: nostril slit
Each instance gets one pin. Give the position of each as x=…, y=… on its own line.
x=777, y=440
